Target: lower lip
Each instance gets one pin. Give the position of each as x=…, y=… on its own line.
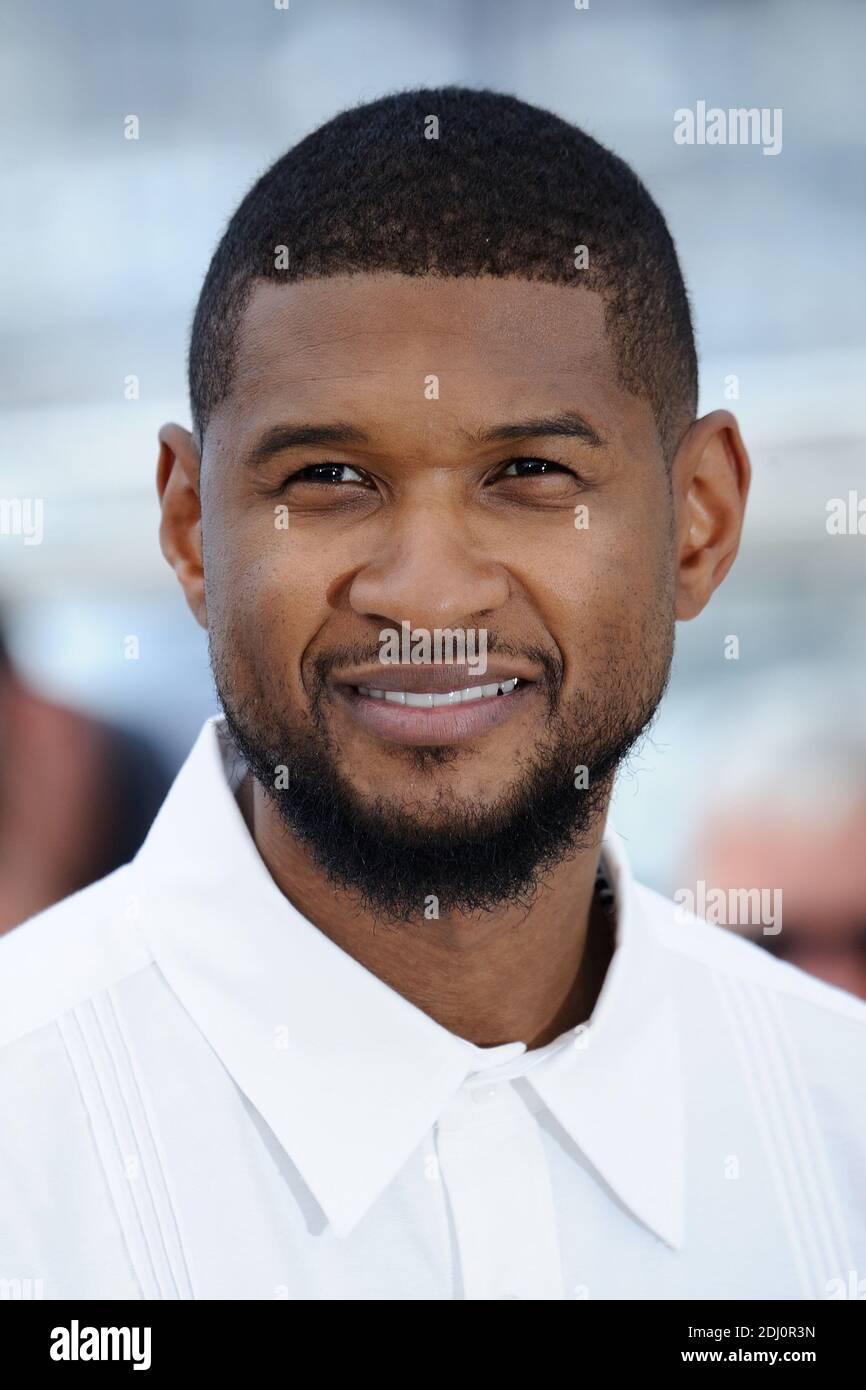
x=446, y=724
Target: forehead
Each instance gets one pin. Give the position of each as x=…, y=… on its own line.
x=367, y=346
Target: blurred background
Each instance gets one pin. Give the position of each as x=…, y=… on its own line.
x=755, y=775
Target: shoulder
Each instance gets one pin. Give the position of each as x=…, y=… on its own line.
x=732, y=959
x=68, y=953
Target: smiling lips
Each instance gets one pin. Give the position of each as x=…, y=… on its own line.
x=431, y=705
x=428, y=699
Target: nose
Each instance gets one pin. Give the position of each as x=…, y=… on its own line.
x=431, y=572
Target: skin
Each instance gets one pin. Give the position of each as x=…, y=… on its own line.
x=439, y=538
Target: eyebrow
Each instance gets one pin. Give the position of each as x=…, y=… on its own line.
x=281, y=437
x=567, y=424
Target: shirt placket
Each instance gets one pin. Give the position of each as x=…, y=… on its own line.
x=497, y=1181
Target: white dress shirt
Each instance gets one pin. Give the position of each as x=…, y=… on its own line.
x=202, y=1096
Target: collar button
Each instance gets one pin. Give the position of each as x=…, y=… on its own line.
x=482, y=1095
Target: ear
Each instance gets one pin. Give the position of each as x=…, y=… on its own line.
x=710, y=479
x=178, y=473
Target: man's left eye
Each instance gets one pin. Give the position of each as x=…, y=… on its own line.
x=531, y=468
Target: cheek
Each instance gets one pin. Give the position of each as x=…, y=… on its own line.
x=604, y=591
x=264, y=599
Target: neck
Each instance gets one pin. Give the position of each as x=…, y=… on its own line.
x=520, y=974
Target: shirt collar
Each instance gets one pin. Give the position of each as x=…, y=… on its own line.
x=347, y=1073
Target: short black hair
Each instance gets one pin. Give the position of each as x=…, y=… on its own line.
x=503, y=188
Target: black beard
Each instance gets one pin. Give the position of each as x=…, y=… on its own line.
x=392, y=860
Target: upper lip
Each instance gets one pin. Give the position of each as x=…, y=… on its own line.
x=437, y=679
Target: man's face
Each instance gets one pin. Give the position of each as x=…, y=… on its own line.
x=445, y=503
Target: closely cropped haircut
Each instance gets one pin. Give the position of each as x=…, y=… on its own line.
x=491, y=186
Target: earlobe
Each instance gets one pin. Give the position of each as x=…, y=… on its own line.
x=178, y=485
x=711, y=484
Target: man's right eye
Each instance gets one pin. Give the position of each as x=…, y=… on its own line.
x=326, y=473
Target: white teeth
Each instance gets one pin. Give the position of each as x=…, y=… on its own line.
x=421, y=699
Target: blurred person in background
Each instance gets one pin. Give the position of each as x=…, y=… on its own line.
x=77, y=796
x=789, y=816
